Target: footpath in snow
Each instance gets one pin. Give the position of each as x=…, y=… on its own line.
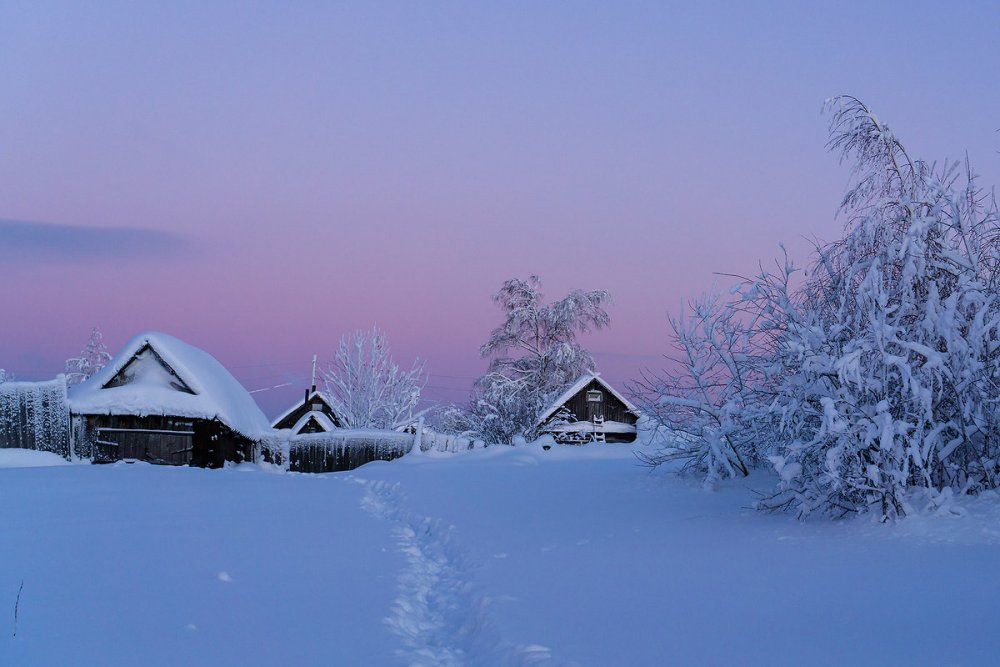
x=586, y=553
x=505, y=556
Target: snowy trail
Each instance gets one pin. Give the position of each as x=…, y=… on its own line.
x=440, y=616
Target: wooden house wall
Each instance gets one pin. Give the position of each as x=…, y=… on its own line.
x=612, y=408
x=155, y=439
x=159, y=439
x=215, y=444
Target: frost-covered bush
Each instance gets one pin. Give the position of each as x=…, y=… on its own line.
x=874, y=373
x=502, y=408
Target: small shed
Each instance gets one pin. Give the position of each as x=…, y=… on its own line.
x=591, y=410
x=164, y=401
x=315, y=414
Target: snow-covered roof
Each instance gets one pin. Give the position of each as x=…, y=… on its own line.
x=313, y=395
x=578, y=386
x=157, y=374
x=588, y=427
x=324, y=422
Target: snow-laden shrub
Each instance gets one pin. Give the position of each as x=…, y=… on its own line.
x=875, y=373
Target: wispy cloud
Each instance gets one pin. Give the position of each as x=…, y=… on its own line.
x=24, y=241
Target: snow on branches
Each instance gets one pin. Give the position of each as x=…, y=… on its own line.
x=535, y=356
x=702, y=402
x=93, y=358
x=367, y=389
x=536, y=344
x=875, y=373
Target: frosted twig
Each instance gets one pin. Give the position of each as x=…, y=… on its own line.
x=17, y=604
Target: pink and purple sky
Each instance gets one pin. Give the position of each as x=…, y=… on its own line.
x=261, y=178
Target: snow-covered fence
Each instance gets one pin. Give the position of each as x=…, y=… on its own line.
x=35, y=415
x=346, y=449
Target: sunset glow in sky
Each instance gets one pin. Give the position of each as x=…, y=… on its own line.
x=259, y=179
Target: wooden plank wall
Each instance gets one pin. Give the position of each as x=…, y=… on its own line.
x=613, y=409
x=154, y=438
x=165, y=448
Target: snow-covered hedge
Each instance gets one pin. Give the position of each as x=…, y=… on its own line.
x=34, y=415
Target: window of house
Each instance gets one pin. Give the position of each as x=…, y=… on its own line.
x=595, y=396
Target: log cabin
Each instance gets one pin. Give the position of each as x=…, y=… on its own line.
x=591, y=410
x=163, y=401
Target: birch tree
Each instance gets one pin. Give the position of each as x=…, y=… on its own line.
x=367, y=388
x=534, y=354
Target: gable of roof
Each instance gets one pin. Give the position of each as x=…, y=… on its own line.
x=321, y=420
x=146, y=356
x=157, y=374
x=313, y=396
x=579, y=386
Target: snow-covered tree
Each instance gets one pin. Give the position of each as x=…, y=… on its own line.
x=877, y=371
x=889, y=353
x=702, y=402
x=3, y=376
x=367, y=388
x=534, y=355
x=93, y=358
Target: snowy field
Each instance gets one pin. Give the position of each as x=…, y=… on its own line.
x=497, y=557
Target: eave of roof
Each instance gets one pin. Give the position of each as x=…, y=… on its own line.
x=299, y=404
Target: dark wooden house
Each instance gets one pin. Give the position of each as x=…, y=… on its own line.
x=315, y=414
x=164, y=401
x=590, y=411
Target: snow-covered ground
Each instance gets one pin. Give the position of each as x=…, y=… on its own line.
x=26, y=458
x=494, y=557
